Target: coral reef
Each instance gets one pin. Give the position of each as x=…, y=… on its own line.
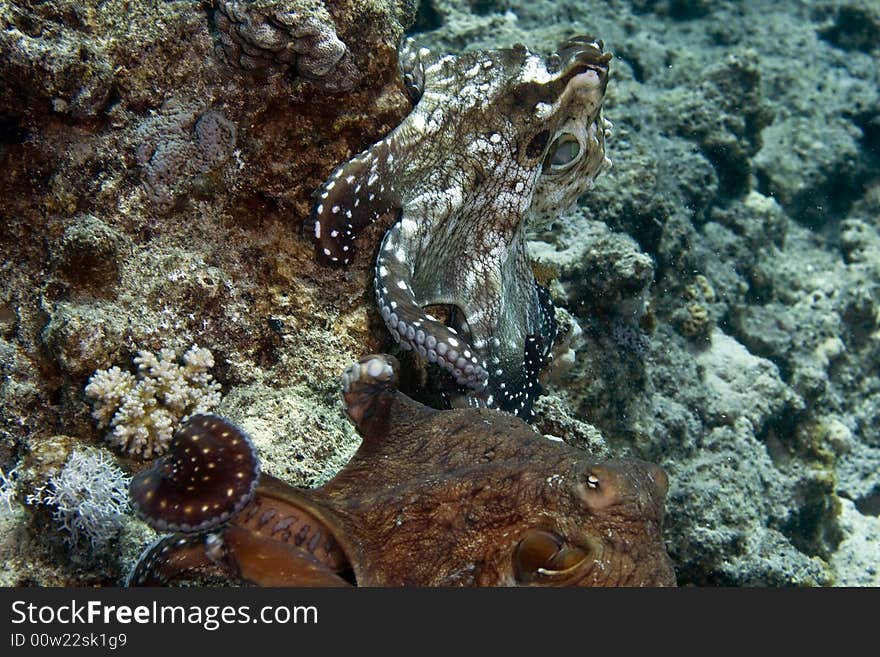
x=744, y=184
x=143, y=411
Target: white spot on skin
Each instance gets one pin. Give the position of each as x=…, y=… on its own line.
x=402, y=285
x=534, y=70
x=473, y=71
x=543, y=110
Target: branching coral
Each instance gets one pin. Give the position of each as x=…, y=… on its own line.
x=89, y=496
x=142, y=411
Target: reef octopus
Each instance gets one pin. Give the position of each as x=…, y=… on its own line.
x=462, y=497
x=495, y=138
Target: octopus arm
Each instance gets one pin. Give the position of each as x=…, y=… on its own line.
x=357, y=193
x=411, y=326
x=522, y=385
x=374, y=404
x=266, y=562
x=170, y=557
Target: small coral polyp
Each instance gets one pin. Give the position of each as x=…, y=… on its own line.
x=142, y=411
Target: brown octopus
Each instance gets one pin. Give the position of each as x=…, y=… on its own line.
x=466, y=497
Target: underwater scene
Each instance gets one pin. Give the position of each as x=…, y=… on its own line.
x=440, y=293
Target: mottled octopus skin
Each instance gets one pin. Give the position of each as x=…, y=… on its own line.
x=494, y=138
x=462, y=497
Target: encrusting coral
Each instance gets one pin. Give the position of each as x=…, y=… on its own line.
x=299, y=35
x=181, y=141
x=143, y=411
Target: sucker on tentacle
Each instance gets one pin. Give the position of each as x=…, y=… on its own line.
x=494, y=138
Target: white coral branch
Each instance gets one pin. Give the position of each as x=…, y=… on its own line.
x=89, y=497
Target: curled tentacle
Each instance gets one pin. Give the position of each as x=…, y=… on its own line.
x=412, y=327
x=368, y=388
x=356, y=194
x=208, y=475
x=171, y=556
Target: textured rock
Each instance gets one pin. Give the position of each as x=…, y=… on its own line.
x=52, y=64
x=851, y=25
x=804, y=161
x=787, y=243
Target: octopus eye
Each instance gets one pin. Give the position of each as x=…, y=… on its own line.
x=542, y=556
x=564, y=151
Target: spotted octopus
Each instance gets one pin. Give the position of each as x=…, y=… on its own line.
x=495, y=139
x=459, y=497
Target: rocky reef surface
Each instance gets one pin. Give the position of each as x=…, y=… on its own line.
x=719, y=286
